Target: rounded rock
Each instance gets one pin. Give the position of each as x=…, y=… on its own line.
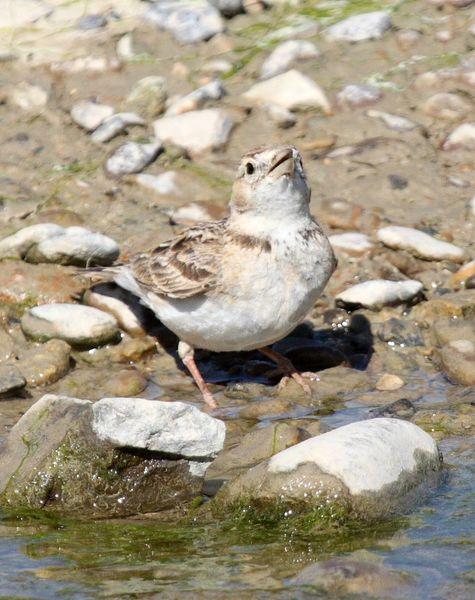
x=89, y=115
x=132, y=158
x=379, y=292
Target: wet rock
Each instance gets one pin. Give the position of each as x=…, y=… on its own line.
x=281, y=116
x=18, y=244
x=463, y=137
x=398, y=332
x=27, y=97
x=214, y=90
x=356, y=95
x=451, y=107
x=7, y=346
x=132, y=158
x=441, y=423
x=470, y=283
x=89, y=115
x=11, y=380
x=389, y=382
x=292, y=90
x=458, y=304
x=285, y=54
x=457, y=360
x=419, y=243
x=265, y=408
x=228, y=8
x=171, y=427
x=445, y=331
x=125, y=383
x=379, y=292
x=44, y=364
x=400, y=409
x=367, y=469
x=114, y=125
x=197, y=131
x=352, y=243
x=76, y=324
x=148, y=96
x=394, y=122
x=188, y=22
x=91, y=22
x=357, y=28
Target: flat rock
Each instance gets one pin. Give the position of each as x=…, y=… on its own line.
x=357, y=28
x=197, y=131
x=463, y=138
x=18, y=244
x=285, y=54
x=419, y=243
x=114, y=125
x=379, y=292
x=11, y=380
x=148, y=96
x=355, y=95
x=214, y=90
x=44, y=364
x=353, y=243
x=76, y=324
x=292, y=90
x=168, y=427
x=132, y=158
x=457, y=304
x=89, y=115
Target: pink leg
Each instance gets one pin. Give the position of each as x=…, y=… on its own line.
x=186, y=353
x=286, y=367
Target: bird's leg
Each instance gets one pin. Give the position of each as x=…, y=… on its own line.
x=187, y=355
x=286, y=367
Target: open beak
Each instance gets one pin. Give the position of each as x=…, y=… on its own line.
x=284, y=164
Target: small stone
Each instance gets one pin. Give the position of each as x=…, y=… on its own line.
x=461, y=138
x=394, y=122
x=125, y=383
x=443, y=35
x=228, y=8
x=196, y=99
x=450, y=107
x=11, y=380
x=419, y=244
x=356, y=95
x=76, y=324
x=89, y=115
x=292, y=90
x=30, y=98
x=397, y=182
x=124, y=47
x=388, y=383
x=90, y=22
x=463, y=274
x=132, y=158
x=217, y=66
x=114, y=125
x=399, y=409
x=197, y=131
x=18, y=244
x=285, y=54
x=45, y=363
x=164, y=184
x=148, y=96
x=353, y=243
x=457, y=360
x=357, y=28
x=379, y=292
x=171, y=427
x=407, y=38
x=281, y=116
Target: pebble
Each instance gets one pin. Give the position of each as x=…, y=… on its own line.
x=407, y=38
x=76, y=324
x=163, y=184
x=400, y=409
x=292, y=90
x=285, y=54
x=356, y=95
x=169, y=427
x=379, y=292
x=132, y=158
x=463, y=274
x=352, y=243
x=457, y=360
x=30, y=98
x=228, y=8
x=45, y=364
x=188, y=22
x=148, y=96
x=124, y=47
x=394, y=122
x=91, y=22
x=217, y=66
x=18, y=244
x=449, y=106
x=197, y=131
x=389, y=382
x=11, y=380
x=211, y=91
x=419, y=244
x=89, y=115
x=357, y=28
x=114, y=125
x=281, y=116
x=463, y=137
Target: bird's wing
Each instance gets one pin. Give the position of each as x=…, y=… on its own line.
x=188, y=265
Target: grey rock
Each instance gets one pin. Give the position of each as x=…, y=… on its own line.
x=400, y=409
x=91, y=21
x=379, y=292
x=11, y=380
x=89, y=115
x=114, y=125
x=132, y=158
x=228, y=8
x=281, y=116
x=214, y=90
x=285, y=54
x=355, y=95
x=44, y=364
x=357, y=28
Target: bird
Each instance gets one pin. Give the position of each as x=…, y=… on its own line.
x=246, y=281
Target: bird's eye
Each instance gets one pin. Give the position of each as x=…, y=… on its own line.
x=249, y=168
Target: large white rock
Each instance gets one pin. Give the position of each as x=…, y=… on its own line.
x=366, y=26
x=18, y=244
x=170, y=427
x=292, y=90
x=196, y=131
x=76, y=324
x=379, y=292
x=89, y=115
x=463, y=137
x=419, y=243
x=285, y=54
x=132, y=157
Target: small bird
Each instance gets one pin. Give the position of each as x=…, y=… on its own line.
x=246, y=281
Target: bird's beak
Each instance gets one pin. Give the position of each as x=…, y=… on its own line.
x=283, y=164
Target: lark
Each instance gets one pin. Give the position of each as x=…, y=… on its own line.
x=246, y=281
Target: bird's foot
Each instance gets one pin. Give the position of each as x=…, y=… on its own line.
x=186, y=353
x=287, y=369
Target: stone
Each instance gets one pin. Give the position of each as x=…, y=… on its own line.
x=447, y=106
x=148, y=96
x=353, y=243
x=89, y=115
x=125, y=383
x=292, y=90
x=399, y=409
x=463, y=274
x=114, y=125
x=173, y=428
x=214, y=90
x=458, y=304
x=389, y=382
x=91, y=22
x=197, y=131
x=132, y=157
x=394, y=122
x=461, y=138
x=379, y=292
x=228, y=8
x=419, y=244
x=217, y=66
x=195, y=212
x=76, y=324
x=285, y=54
x=30, y=98
x=357, y=28
x=44, y=364
x=356, y=95
x=7, y=346
x=125, y=47
x=445, y=331
x=11, y=380
x=281, y=116
x=365, y=470
x=18, y=244
x=164, y=184
x=407, y=38
x=188, y=22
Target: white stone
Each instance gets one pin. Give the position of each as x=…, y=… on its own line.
x=30, y=98
x=462, y=137
x=196, y=131
x=281, y=116
x=73, y=323
x=419, y=243
x=285, y=54
x=132, y=158
x=114, y=125
x=446, y=106
x=379, y=292
x=89, y=115
x=292, y=90
x=18, y=244
x=170, y=427
x=217, y=66
x=358, y=95
x=395, y=122
x=365, y=456
x=124, y=47
x=214, y=90
x=352, y=242
x=164, y=184
x=366, y=26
